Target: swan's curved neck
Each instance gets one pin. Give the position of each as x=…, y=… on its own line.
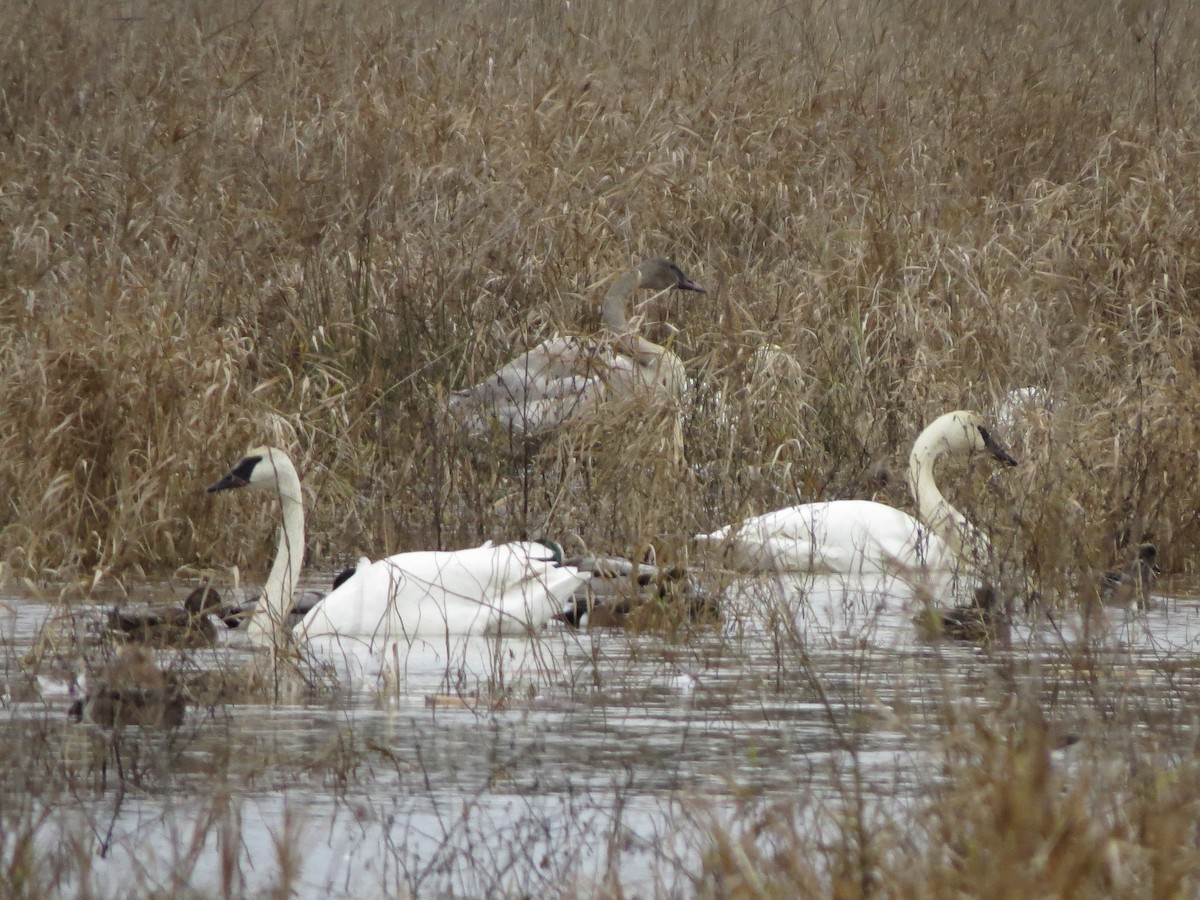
x=267, y=625
x=616, y=300
x=938, y=513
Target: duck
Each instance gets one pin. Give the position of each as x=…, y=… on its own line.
x=302, y=604
x=1131, y=586
x=512, y=588
x=852, y=537
x=566, y=375
x=983, y=620
x=186, y=625
x=131, y=691
x=621, y=593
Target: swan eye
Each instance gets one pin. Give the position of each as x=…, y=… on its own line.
x=239, y=477
x=246, y=467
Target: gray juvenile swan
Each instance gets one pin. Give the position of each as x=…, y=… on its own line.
x=1132, y=584
x=542, y=388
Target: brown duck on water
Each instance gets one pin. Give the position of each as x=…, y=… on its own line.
x=1131, y=586
x=132, y=691
x=621, y=593
x=984, y=620
x=233, y=616
x=188, y=625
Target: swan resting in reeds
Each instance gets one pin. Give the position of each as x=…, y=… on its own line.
x=570, y=374
x=509, y=589
x=853, y=537
x=1020, y=405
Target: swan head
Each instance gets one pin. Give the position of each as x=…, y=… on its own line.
x=660, y=273
x=962, y=431
x=655, y=274
x=265, y=468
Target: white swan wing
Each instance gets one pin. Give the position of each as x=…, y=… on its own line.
x=536, y=372
x=538, y=390
x=1020, y=404
x=426, y=594
x=649, y=366
x=533, y=415
x=839, y=536
x=561, y=378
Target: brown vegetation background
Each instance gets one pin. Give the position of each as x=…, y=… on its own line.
x=303, y=223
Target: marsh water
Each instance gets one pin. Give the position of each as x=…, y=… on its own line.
x=563, y=763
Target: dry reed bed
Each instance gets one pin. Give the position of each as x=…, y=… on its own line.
x=304, y=224
x=1002, y=819
x=225, y=228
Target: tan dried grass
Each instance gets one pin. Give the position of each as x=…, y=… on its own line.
x=306, y=224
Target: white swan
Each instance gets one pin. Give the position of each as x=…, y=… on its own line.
x=505, y=588
x=565, y=375
x=1020, y=405
x=853, y=537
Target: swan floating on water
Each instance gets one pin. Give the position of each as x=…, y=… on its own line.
x=854, y=537
x=566, y=375
x=510, y=589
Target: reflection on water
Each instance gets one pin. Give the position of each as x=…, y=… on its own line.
x=555, y=763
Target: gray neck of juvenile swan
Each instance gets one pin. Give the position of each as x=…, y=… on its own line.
x=938, y=514
x=616, y=301
x=267, y=626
